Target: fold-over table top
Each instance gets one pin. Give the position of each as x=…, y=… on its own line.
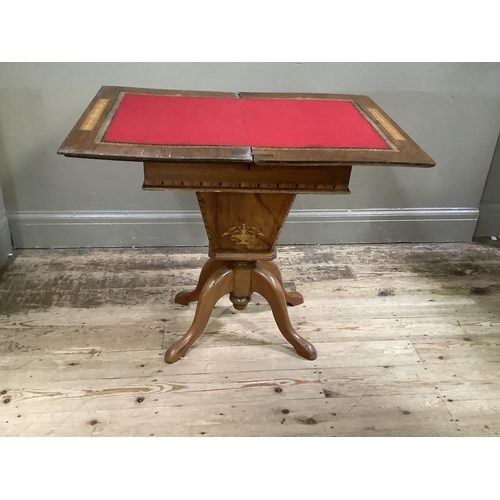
x=164, y=125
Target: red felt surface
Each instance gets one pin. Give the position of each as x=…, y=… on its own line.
x=273, y=123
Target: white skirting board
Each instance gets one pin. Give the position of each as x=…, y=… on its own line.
x=185, y=228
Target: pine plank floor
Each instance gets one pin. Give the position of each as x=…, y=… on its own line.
x=408, y=341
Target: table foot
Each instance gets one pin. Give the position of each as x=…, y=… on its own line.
x=268, y=285
x=292, y=298
x=214, y=288
x=209, y=268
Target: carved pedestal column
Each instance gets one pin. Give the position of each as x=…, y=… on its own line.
x=242, y=230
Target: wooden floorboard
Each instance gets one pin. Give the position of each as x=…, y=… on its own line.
x=408, y=342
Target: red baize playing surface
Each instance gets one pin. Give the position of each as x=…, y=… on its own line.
x=272, y=123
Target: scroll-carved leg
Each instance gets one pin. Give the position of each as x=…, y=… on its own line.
x=292, y=298
x=217, y=286
x=268, y=285
x=209, y=268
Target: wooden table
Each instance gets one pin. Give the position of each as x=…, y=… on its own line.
x=246, y=155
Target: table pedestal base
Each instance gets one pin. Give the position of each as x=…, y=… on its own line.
x=240, y=279
x=242, y=230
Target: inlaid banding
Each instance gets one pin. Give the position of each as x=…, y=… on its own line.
x=93, y=117
x=388, y=127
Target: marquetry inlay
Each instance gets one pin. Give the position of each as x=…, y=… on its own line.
x=243, y=234
x=93, y=117
x=388, y=127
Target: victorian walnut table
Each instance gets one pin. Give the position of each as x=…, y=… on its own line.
x=246, y=155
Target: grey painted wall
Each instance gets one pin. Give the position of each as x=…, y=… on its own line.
x=451, y=109
x=5, y=240
x=489, y=218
